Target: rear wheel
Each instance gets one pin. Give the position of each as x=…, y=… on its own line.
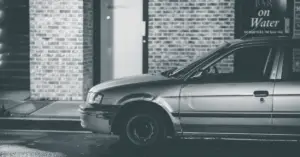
x=143, y=129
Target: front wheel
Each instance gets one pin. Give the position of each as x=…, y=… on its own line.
x=143, y=130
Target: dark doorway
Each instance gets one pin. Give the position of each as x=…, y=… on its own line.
x=14, y=67
x=145, y=38
x=96, y=43
x=103, y=34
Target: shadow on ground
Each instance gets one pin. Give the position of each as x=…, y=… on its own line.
x=92, y=145
x=205, y=149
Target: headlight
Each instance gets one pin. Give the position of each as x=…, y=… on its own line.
x=94, y=98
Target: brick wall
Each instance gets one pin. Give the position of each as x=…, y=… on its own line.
x=88, y=46
x=181, y=30
x=60, y=49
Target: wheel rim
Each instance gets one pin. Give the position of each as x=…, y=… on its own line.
x=142, y=130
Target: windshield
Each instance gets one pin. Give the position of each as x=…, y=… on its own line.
x=190, y=66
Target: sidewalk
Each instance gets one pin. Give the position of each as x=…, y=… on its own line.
x=40, y=115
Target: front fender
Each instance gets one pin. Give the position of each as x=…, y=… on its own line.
x=135, y=97
x=155, y=100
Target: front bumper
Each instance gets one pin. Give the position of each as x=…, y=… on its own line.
x=95, y=121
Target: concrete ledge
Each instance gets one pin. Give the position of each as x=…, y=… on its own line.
x=40, y=124
x=44, y=115
x=34, y=132
x=40, y=118
x=28, y=107
x=59, y=109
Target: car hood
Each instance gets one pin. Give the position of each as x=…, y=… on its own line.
x=131, y=80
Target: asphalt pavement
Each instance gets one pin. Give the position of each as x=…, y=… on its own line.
x=49, y=144
x=67, y=144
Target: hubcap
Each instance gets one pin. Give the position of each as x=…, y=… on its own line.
x=142, y=130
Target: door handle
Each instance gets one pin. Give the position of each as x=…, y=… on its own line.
x=261, y=93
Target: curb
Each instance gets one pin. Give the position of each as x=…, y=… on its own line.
x=10, y=131
x=37, y=118
x=40, y=124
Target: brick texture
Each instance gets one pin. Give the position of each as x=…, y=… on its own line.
x=60, y=49
x=87, y=46
x=182, y=30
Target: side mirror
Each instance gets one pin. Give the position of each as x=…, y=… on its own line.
x=168, y=72
x=198, y=75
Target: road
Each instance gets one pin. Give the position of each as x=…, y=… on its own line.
x=38, y=144
x=45, y=144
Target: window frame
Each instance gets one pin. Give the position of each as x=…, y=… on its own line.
x=279, y=73
x=274, y=66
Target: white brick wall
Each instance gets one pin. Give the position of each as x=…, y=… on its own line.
x=181, y=30
x=60, y=49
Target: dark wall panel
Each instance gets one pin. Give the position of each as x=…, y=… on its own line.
x=14, y=69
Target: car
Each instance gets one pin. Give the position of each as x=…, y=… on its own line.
x=244, y=89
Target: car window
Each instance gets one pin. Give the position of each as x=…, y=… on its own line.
x=187, y=68
x=242, y=65
x=291, y=64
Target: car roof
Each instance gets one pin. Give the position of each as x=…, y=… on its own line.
x=249, y=40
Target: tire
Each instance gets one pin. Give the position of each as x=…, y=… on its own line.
x=131, y=130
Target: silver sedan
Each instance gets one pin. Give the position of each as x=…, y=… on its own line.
x=244, y=89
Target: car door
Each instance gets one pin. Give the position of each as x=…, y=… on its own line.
x=286, y=107
x=237, y=99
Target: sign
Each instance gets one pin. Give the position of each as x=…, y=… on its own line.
x=262, y=18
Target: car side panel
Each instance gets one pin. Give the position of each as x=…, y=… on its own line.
x=226, y=107
x=286, y=108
